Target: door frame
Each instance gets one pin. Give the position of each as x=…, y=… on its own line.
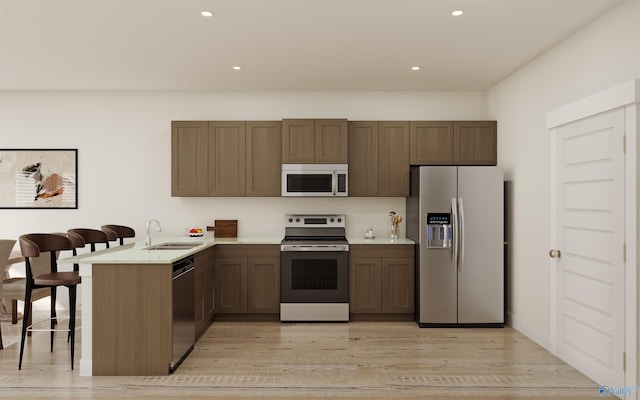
x=625, y=95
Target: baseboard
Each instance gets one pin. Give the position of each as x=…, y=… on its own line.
x=539, y=336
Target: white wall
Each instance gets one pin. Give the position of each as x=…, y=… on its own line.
x=603, y=54
x=123, y=142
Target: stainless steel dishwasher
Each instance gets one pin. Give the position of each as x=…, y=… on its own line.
x=183, y=324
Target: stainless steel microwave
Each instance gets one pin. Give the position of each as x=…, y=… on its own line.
x=315, y=180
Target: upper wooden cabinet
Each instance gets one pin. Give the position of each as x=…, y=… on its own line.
x=453, y=143
x=263, y=158
x=226, y=158
x=475, y=143
x=431, y=143
x=189, y=158
x=393, y=154
x=363, y=158
x=378, y=158
x=308, y=141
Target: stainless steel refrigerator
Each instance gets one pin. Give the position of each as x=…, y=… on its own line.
x=455, y=216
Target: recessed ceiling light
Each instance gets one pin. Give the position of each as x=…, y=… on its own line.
x=206, y=14
x=457, y=13
x=237, y=67
x=416, y=68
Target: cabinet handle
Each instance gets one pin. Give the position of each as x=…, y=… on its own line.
x=553, y=253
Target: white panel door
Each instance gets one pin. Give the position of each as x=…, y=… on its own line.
x=589, y=235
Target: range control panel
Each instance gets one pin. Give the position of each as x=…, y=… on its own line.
x=314, y=221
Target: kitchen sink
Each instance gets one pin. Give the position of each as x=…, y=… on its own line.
x=174, y=246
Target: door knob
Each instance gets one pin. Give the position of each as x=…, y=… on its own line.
x=554, y=253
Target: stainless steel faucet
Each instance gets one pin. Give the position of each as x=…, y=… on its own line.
x=148, y=241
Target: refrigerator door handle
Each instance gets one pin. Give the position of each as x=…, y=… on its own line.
x=454, y=239
x=461, y=238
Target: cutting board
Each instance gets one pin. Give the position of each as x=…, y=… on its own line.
x=224, y=228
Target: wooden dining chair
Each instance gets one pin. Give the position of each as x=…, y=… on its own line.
x=31, y=245
x=6, y=246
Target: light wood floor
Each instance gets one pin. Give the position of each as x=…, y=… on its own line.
x=317, y=360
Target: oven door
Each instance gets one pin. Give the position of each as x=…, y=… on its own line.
x=314, y=277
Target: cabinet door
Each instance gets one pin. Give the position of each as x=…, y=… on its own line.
x=227, y=158
x=431, y=143
x=230, y=280
x=363, y=158
x=264, y=158
x=365, y=285
x=475, y=143
x=209, y=290
x=331, y=141
x=394, y=158
x=189, y=158
x=398, y=291
x=198, y=298
x=263, y=285
x=298, y=141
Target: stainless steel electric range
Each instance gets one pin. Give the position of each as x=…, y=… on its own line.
x=314, y=269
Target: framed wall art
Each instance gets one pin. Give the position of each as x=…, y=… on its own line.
x=38, y=178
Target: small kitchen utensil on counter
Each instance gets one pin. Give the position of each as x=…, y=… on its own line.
x=224, y=228
x=395, y=221
x=369, y=234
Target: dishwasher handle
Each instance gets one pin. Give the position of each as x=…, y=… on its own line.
x=182, y=267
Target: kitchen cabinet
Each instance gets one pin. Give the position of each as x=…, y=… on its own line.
x=263, y=158
x=230, y=280
x=203, y=290
x=247, y=279
x=381, y=281
x=226, y=158
x=189, y=158
x=363, y=158
x=393, y=155
x=431, y=142
x=263, y=285
x=378, y=158
x=475, y=143
x=226, y=146
x=131, y=319
x=309, y=141
x=453, y=143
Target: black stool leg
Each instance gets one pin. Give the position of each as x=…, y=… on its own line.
x=72, y=319
x=26, y=314
x=53, y=319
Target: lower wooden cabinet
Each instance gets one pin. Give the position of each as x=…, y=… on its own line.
x=381, y=279
x=247, y=279
x=204, y=290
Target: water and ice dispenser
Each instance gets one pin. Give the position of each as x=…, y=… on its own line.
x=439, y=231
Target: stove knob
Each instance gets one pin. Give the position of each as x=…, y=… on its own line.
x=297, y=219
x=290, y=220
x=331, y=220
x=339, y=219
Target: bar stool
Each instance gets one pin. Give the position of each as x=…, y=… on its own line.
x=120, y=231
x=31, y=245
x=91, y=237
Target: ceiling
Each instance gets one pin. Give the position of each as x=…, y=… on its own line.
x=280, y=44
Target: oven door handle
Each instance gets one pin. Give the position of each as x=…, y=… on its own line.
x=315, y=247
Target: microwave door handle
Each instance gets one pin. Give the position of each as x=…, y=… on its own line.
x=334, y=183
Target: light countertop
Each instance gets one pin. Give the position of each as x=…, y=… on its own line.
x=135, y=253
x=384, y=241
